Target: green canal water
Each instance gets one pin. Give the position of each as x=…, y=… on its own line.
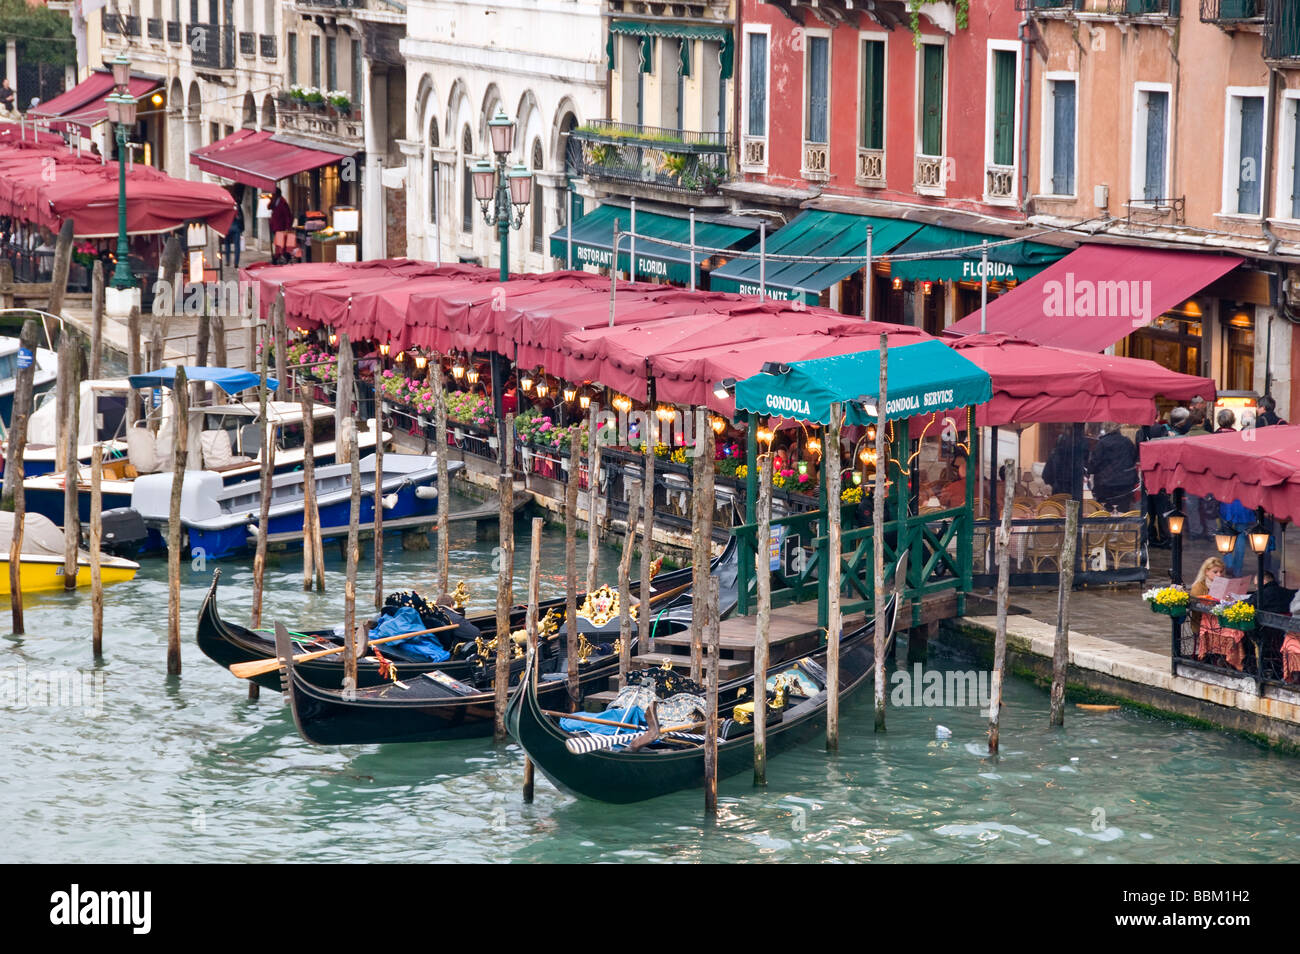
x=161, y=770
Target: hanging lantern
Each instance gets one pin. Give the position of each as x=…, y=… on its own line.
x=421, y=362
x=472, y=376
x=569, y=394
x=584, y=402
x=857, y=479
x=542, y=388
x=334, y=339
x=766, y=435
x=718, y=424
x=803, y=467
x=399, y=356
x=1225, y=541
x=871, y=433
x=898, y=284
x=383, y=349
x=814, y=446
x=458, y=369
x=622, y=403
x=526, y=382
x=927, y=287
x=665, y=412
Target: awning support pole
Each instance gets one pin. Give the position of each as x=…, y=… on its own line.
x=762, y=265
x=984, y=286
x=692, y=249
x=631, y=272
x=568, y=233
x=866, y=281
x=613, y=275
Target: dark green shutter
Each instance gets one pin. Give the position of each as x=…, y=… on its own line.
x=1004, y=107
x=932, y=100
x=684, y=57
x=610, y=45
x=873, y=94
x=647, y=54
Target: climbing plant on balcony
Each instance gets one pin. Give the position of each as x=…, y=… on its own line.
x=914, y=13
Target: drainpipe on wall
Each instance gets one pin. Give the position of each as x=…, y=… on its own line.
x=1025, y=70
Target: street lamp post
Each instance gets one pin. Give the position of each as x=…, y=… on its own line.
x=497, y=190
x=121, y=112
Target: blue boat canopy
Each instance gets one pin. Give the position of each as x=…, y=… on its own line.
x=923, y=377
x=230, y=380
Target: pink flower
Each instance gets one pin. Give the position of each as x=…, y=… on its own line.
x=388, y=372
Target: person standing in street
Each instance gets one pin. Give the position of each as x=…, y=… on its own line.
x=231, y=244
x=1113, y=466
x=1267, y=415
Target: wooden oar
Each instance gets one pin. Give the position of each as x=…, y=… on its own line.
x=246, y=670
x=583, y=718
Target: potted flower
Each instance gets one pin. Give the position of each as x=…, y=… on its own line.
x=1235, y=614
x=340, y=102
x=314, y=98
x=1168, y=600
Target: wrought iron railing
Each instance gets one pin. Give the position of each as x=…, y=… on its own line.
x=1231, y=11
x=247, y=44
x=173, y=31
x=1264, y=660
x=267, y=43
x=154, y=28
x=1049, y=4
x=676, y=160
x=1282, y=30
x=114, y=24
x=1139, y=8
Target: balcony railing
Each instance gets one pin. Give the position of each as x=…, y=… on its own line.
x=1282, y=30
x=173, y=31
x=247, y=44
x=929, y=172
x=267, y=43
x=323, y=123
x=871, y=167
x=676, y=160
x=753, y=151
x=816, y=161
x=342, y=4
x=210, y=45
x=1231, y=11
x=131, y=25
x=1049, y=4
x=1139, y=8
x=153, y=28
x=1000, y=181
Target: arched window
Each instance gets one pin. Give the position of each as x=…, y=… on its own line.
x=536, y=210
x=467, y=186
x=433, y=170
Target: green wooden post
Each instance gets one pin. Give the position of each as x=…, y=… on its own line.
x=823, y=524
x=902, y=450
x=747, y=555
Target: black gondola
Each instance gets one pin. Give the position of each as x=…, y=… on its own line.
x=622, y=776
x=229, y=643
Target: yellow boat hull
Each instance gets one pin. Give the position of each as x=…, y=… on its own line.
x=41, y=577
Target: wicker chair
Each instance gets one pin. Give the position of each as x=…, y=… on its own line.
x=1125, y=540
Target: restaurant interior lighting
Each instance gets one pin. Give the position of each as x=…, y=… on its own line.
x=765, y=435
x=156, y=100
x=814, y=446
x=718, y=424
x=458, y=369
x=898, y=284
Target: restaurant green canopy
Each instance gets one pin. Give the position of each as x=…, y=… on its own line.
x=954, y=255
x=593, y=242
x=815, y=234
x=923, y=377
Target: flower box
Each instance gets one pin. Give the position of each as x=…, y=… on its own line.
x=1166, y=609
x=1245, y=625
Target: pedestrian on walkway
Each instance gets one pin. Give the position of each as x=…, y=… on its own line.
x=1267, y=412
x=230, y=245
x=1113, y=466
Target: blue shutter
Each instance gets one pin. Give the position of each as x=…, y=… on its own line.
x=1249, y=167
x=1063, y=132
x=1157, y=116
x=757, y=112
x=818, y=92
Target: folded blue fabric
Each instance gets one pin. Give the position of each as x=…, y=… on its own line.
x=407, y=620
x=633, y=715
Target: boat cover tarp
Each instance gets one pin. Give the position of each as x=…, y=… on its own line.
x=230, y=380
x=407, y=620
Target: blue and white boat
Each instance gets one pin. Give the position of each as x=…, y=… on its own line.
x=47, y=372
x=220, y=520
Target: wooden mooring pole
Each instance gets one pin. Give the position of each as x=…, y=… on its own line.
x=1004, y=576
x=534, y=564
x=834, y=572
x=62, y=265
x=313, y=548
x=134, y=358
x=571, y=564
x=71, y=348
x=343, y=417
x=267, y=460
x=646, y=642
x=1061, y=648
x=354, y=557
x=15, y=495
x=711, y=721
x=625, y=594
x=444, y=480
x=699, y=548
x=96, y=538
x=878, y=534
x=505, y=576
x=593, y=497
x=96, y=319
x=175, y=533
x=763, y=576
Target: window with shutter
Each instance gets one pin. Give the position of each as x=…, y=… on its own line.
x=1004, y=107
x=467, y=185
x=818, y=89
x=1295, y=159
x=1157, y=108
x=1063, y=132
x=1251, y=153
x=873, y=94
x=932, y=99
x=433, y=171
x=315, y=61
x=358, y=74
x=757, y=78
x=291, y=42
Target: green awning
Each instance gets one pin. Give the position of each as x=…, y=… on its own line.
x=1012, y=262
x=681, y=31
x=593, y=242
x=923, y=377
x=817, y=234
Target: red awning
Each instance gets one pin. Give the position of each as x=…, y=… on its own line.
x=1035, y=383
x=1097, y=295
x=155, y=202
x=87, y=102
x=1259, y=467
x=259, y=159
